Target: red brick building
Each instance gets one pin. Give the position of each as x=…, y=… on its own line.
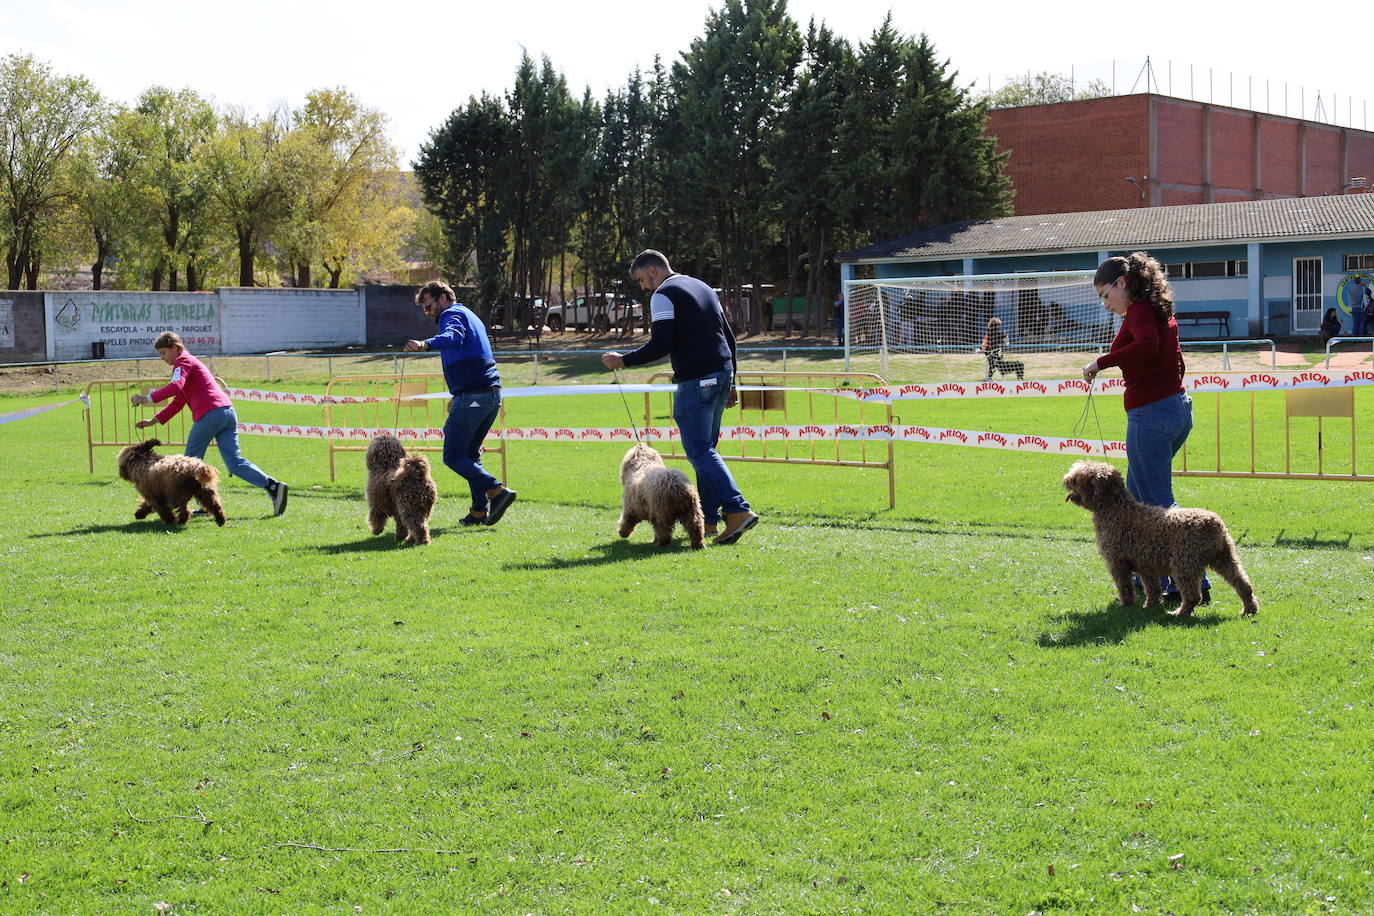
x=1074, y=156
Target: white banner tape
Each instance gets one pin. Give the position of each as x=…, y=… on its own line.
x=881, y=433
x=1250, y=381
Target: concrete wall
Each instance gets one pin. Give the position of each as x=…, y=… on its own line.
x=392, y=316
x=261, y=320
x=23, y=335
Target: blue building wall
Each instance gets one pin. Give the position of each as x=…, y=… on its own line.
x=1260, y=303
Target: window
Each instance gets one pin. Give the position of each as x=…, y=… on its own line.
x=1359, y=262
x=1191, y=270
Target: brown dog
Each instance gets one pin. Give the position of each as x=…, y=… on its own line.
x=399, y=486
x=168, y=482
x=1153, y=542
x=659, y=495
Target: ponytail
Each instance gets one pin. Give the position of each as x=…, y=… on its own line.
x=1146, y=281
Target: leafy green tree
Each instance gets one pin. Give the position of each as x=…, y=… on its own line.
x=42, y=116
x=807, y=180
x=1043, y=88
x=466, y=179
x=912, y=150
x=730, y=85
x=172, y=130
x=246, y=177
x=102, y=177
x=336, y=147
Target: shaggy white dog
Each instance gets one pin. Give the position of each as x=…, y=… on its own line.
x=660, y=496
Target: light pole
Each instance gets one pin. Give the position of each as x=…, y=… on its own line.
x=1140, y=184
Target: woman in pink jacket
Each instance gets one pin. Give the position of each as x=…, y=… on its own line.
x=212, y=414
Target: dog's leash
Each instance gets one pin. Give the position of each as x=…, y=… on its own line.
x=1080, y=428
x=616, y=373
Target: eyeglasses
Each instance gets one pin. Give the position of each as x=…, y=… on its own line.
x=1105, y=290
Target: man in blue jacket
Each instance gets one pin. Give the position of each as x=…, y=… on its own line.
x=689, y=327
x=470, y=373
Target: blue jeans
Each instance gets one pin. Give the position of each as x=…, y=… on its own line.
x=1361, y=318
x=222, y=425
x=697, y=408
x=1154, y=434
x=470, y=417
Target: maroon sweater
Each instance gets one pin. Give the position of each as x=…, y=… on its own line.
x=1148, y=353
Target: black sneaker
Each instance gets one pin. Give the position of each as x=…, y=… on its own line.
x=471, y=520
x=499, y=504
x=277, y=490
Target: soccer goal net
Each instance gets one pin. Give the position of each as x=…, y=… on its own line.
x=1055, y=311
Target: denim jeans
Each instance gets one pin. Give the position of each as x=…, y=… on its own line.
x=697, y=408
x=470, y=417
x=222, y=425
x=1154, y=434
x=1361, y=320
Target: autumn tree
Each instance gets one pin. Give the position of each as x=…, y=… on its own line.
x=42, y=117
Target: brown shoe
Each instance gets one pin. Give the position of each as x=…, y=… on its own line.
x=736, y=523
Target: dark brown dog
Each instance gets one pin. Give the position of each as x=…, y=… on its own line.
x=1154, y=542
x=399, y=486
x=168, y=482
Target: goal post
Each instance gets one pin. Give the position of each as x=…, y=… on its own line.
x=1049, y=311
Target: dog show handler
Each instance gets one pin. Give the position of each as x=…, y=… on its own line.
x=470, y=373
x=689, y=327
x=1159, y=413
x=212, y=415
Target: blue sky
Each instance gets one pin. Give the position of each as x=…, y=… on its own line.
x=417, y=60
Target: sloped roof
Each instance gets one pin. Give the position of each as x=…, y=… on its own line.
x=1142, y=227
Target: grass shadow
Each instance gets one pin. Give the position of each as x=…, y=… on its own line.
x=148, y=526
x=384, y=541
x=617, y=551
x=1114, y=623
x=1315, y=542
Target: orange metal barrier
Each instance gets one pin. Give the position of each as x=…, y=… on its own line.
x=111, y=417
x=402, y=416
x=802, y=407
x=1318, y=403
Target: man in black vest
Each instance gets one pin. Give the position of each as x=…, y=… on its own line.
x=689, y=327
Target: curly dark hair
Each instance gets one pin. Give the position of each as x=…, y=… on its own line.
x=1146, y=281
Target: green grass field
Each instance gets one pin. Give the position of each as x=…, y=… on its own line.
x=936, y=708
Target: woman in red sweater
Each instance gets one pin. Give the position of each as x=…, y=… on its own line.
x=212, y=415
x=1159, y=414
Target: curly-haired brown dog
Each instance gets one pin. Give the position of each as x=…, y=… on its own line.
x=399, y=487
x=168, y=482
x=1150, y=541
x=660, y=496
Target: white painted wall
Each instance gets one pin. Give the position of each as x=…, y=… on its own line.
x=262, y=320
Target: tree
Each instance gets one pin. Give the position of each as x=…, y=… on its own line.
x=246, y=178
x=807, y=181
x=102, y=174
x=171, y=131
x=336, y=147
x=730, y=86
x=1043, y=88
x=912, y=150
x=466, y=180
x=367, y=229
x=42, y=116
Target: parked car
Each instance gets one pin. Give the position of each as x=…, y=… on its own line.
x=503, y=314
x=600, y=311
